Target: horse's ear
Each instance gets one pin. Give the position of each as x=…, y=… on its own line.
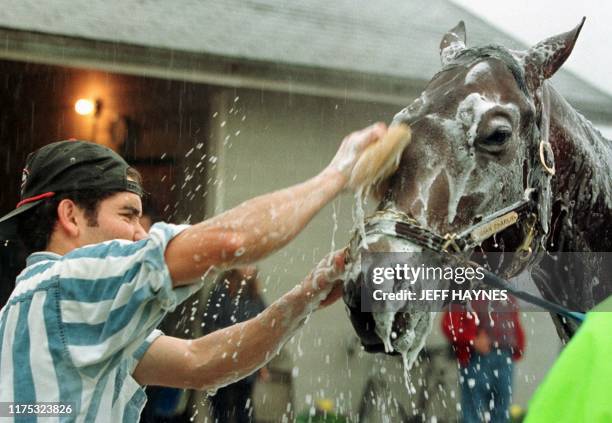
x=546, y=57
x=452, y=43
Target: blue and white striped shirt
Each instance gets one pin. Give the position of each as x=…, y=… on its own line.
x=76, y=326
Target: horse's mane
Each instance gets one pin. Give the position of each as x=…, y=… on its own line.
x=594, y=152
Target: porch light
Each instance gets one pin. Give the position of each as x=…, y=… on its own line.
x=84, y=107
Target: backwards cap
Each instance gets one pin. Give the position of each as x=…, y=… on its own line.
x=67, y=166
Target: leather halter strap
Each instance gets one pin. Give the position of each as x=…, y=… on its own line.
x=408, y=228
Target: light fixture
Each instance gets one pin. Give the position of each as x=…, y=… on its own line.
x=84, y=107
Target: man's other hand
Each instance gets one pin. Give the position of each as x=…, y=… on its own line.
x=324, y=284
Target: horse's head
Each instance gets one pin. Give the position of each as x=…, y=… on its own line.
x=479, y=145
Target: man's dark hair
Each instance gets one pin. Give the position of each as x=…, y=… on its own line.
x=35, y=227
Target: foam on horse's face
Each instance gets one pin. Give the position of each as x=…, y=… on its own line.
x=468, y=146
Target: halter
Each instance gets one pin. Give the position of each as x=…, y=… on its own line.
x=397, y=224
x=408, y=228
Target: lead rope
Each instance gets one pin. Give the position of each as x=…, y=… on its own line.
x=495, y=281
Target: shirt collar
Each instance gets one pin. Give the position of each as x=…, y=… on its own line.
x=40, y=257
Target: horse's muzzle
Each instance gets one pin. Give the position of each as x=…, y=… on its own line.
x=363, y=321
x=388, y=326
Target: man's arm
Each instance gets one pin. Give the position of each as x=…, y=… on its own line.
x=264, y=224
x=230, y=354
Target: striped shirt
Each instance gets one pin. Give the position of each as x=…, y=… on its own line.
x=76, y=325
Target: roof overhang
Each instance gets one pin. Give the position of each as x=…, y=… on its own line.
x=226, y=71
x=205, y=68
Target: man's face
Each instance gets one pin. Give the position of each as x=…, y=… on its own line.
x=118, y=218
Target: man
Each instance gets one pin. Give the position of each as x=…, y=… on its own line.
x=486, y=340
x=79, y=327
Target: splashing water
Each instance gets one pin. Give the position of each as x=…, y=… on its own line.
x=407, y=365
x=384, y=322
x=359, y=216
x=335, y=227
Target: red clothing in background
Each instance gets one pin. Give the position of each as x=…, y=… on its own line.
x=500, y=321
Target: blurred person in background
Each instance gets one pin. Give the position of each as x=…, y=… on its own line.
x=235, y=298
x=487, y=338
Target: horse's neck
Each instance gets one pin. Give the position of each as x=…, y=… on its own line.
x=581, y=212
x=582, y=188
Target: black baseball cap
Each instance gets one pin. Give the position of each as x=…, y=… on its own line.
x=67, y=166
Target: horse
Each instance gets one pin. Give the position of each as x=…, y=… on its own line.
x=496, y=151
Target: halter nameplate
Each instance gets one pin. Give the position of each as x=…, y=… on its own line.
x=493, y=227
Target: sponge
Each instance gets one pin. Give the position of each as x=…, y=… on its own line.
x=381, y=158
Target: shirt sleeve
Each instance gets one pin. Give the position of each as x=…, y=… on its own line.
x=135, y=357
x=112, y=295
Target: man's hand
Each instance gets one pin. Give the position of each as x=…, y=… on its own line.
x=482, y=343
x=353, y=146
x=324, y=285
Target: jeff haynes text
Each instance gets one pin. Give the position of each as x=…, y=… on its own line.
x=441, y=294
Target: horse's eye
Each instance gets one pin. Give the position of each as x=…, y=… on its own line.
x=496, y=139
x=499, y=136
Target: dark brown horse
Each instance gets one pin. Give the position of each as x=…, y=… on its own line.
x=489, y=132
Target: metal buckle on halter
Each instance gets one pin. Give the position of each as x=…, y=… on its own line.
x=451, y=241
x=546, y=145
x=525, y=250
